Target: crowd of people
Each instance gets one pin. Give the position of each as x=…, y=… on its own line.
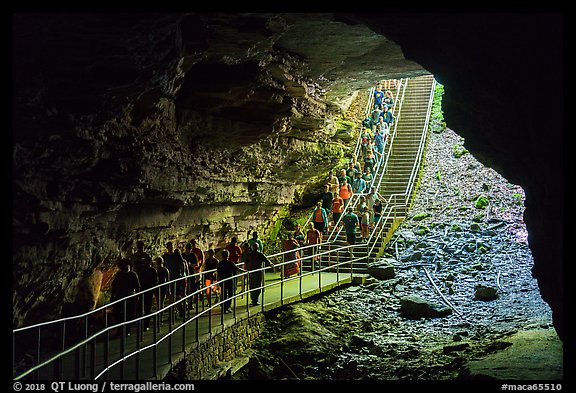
x=217, y=277
x=332, y=209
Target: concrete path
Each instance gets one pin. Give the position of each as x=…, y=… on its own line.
x=148, y=361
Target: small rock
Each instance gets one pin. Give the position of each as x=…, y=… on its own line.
x=382, y=270
x=421, y=245
x=475, y=227
x=456, y=347
x=414, y=307
x=416, y=256
x=486, y=293
x=359, y=341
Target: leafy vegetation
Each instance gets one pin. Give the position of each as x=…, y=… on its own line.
x=458, y=150
x=481, y=202
x=420, y=216
x=437, y=123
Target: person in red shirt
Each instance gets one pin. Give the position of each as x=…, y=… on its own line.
x=345, y=192
x=313, y=236
x=235, y=256
x=234, y=250
x=198, y=252
x=293, y=267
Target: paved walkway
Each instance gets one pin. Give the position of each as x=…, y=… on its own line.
x=155, y=361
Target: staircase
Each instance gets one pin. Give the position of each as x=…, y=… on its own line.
x=399, y=178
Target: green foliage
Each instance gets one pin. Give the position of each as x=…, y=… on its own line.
x=481, y=202
x=517, y=199
x=420, y=216
x=456, y=228
x=437, y=123
x=458, y=150
x=438, y=175
x=421, y=230
x=479, y=217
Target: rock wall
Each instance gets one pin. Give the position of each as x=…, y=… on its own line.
x=155, y=127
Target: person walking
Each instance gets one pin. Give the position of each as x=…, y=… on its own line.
x=227, y=271
x=291, y=258
x=148, y=277
x=314, y=237
x=125, y=283
x=255, y=240
x=254, y=263
x=345, y=192
x=178, y=268
x=351, y=222
x=337, y=208
x=163, y=291
x=320, y=218
x=208, y=269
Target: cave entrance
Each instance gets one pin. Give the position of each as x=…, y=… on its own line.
x=462, y=304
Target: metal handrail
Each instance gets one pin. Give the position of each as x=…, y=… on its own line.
x=392, y=135
x=174, y=304
x=367, y=112
x=387, y=143
x=416, y=165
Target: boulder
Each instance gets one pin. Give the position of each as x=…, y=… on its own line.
x=415, y=307
x=486, y=293
x=382, y=270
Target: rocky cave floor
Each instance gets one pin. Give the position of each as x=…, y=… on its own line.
x=473, y=253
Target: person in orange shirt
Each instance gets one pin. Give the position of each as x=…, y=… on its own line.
x=320, y=218
x=337, y=208
x=345, y=192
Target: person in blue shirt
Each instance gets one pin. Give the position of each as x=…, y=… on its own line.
x=359, y=184
x=378, y=96
x=379, y=140
x=387, y=115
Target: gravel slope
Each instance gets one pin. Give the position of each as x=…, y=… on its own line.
x=361, y=333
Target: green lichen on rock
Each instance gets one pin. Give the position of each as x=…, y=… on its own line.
x=481, y=202
x=458, y=150
x=420, y=216
x=421, y=230
x=479, y=217
x=456, y=228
